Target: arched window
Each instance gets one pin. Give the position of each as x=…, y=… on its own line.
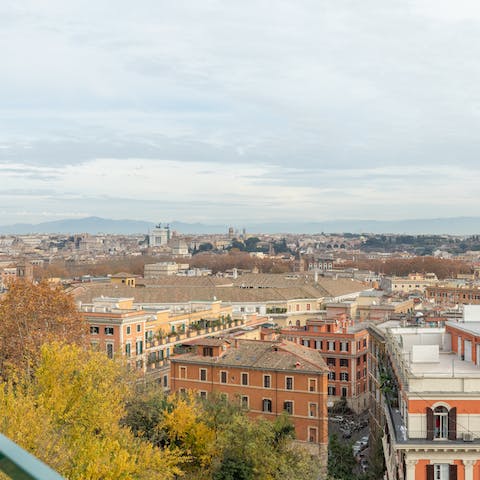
x=440, y=422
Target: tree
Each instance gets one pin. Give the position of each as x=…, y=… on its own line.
x=187, y=431
x=68, y=414
x=31, y=315
x=341, y=461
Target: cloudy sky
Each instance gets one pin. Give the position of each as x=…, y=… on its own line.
x=232, y=111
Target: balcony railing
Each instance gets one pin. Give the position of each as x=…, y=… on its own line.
x=18, y=464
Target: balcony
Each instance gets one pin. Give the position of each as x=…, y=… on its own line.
x=405, y=439
x=18, y=464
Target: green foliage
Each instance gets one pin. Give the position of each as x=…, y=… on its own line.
x=218, y=441
x=341, y=461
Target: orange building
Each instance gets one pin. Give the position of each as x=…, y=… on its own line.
x=266, y=377
x=344, y=347
x=117, y=328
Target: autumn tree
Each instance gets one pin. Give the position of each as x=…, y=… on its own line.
x=31, y=315
x=68, y=413
x=216, y=440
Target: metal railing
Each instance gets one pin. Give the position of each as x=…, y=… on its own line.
x=18, y=464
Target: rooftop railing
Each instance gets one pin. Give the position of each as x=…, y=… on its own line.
x=18, y=464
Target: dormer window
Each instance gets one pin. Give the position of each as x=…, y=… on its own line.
x=207, y=351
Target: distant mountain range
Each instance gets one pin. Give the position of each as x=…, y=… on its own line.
x=94, y=225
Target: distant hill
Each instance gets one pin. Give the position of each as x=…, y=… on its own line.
x=91, y=225
x=94, y=225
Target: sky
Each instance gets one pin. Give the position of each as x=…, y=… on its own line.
x=222, y=111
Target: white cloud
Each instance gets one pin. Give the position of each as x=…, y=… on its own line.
x=306, y=108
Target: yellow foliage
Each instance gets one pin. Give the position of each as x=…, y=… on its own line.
x=69, y=416
x=186, y=429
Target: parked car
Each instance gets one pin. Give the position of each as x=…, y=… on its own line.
x=363, y=441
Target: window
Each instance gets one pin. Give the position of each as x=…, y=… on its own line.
x=331, y=345
x=344, y=376
x=289, y=383
x=344, y=346
x=358, y=375
x=139, y=347
x=358, y=360
x=306, y=343
x=203, y=394
x=308, y=306
x=331, y=390
x=267, y=381
x=441, y=471
x=267, y=405
x=223, y=376
x=128, y=349
x=344, y=391
x=331, y=375
x=364, y=357
x=344, y=362
x=95, y=330
x=110, y=350
x=331, y=362
x=108, y=330
x=244, y=401
x=312, y=385
x=364, y=342
x=182, y=391
x=207, y=351
x=183, y=372
x=440, y=423
x=318, y=344
x=244, y=378
x=312, y=435
x=288, y=407
x=128, y=329
x=165, y=381
x=312, y=410
x=203, y=374
x=139, y=328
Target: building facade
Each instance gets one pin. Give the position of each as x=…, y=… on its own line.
x=344, y=347
x=431, y=410
x=266, y=377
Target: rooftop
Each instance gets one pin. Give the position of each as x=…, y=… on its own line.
x=263, y=355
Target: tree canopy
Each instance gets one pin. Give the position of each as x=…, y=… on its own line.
x=31, y=315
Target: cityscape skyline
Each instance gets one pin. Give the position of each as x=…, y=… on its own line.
x=259, y=111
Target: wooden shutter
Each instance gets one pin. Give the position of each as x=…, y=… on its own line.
x=429, y=424
x=452, y=424
x=430, y=472
x=452, y=474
